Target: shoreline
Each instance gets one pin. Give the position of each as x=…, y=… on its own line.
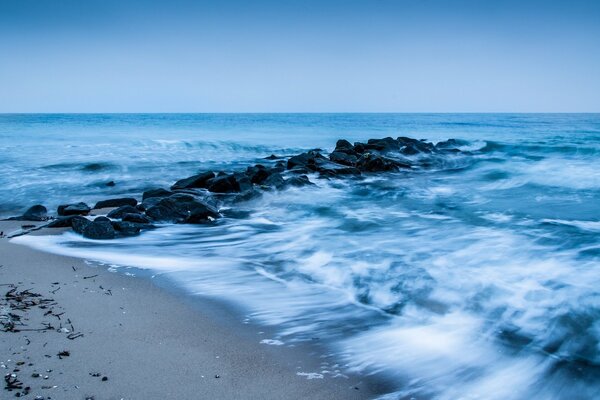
x=148, y=339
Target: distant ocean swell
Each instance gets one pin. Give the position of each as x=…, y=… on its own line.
x=475, y=278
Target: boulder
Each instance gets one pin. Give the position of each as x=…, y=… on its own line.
x=182, y=210
x=148, y=194
x=101, y=219
x=99, y=230
x=73, y=209
x=247, y=196
x=119, y=212
x=195, y=181
x=224, y=184
x=272, y=157
x=344, y=146
x=274, y=180
x=125, y=228
x=411, y=146
x=343, y=158
x=298, y=181
x=383, y=145
x=305, y=160
x=35, y=213
x=138, y=218
x=61, y=222
x=124, y=201
x=370, y=162
x=258, y=173
x=79, y=224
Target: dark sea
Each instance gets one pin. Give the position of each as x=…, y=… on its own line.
x=477, y=278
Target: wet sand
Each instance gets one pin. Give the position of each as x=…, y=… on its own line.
x=129, y=338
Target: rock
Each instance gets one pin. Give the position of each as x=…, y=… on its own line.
x=119, y=212
x=125, y=228
x=331, y=169
x=35, y=213
x=61, y=222
x=73, y=209
x=99, y=231
x=110, y=183
x=383, y=145
x=344, y=146
x=274, y=180
x=79, y=224
x=139, y=218
x=124, y=201
x=343, y=158
x=272, y=157
x=195, y=181
x=148, y=194
x=370, y=162
x=182, y=210
x=306, y=160
x=248, y=195
x=257, y=174
x=410, y=146
x=298, y=181
x=224, y=184
x=101, y=219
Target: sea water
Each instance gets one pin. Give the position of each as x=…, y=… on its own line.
x=478, y=278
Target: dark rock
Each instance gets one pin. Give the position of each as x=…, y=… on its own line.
x=306, y=160
x=195, y=181
x=148, y=194
x=125, y=228
x=331, y=169
x=182, y=210
x=384, y=145
x=125, y=201
x=73, y=209
x=344, y=146
x=257, y=174
x=110, y=183
x=343, y=158
x=61, y=222
x=79, y=224
x=224, y=184
x=274, y=180
x=411, y=146
x=370, y=162
x=119, y=212
x=272, y=157
x=101, y=219
x=298, y=181
x=139, y=218
x=99, y=230
x=247, y=196
x=36, y=213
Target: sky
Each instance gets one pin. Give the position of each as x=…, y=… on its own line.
x=299, y=56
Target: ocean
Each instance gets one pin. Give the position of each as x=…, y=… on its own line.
x=476, y=278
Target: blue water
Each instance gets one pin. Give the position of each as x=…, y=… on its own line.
x=476, y=279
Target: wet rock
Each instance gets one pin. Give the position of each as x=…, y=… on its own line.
x=298, y=181
x=99, y=231
x=305, y=160
x=343, y=158
x=73, y=209
x=110, y=183
x=247, y=195
x=274, y=180
x=125, y=228
x=152, y=193
x=411, y=146
x=224, y=184
x=344, y=146
x=61, y=222
x=330, y=169
x=124, y=201
x=195, y=181
x=370, y=162
x=101, y=219
x=383, y=145
x=119, y=212
x=36, y=213
x=182, y=209
x=79, y=224
x=138, y=218
x=258, y=173
x=272, y=157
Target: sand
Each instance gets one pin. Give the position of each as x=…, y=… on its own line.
x=142, y=341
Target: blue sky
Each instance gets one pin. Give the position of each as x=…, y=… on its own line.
x=299, y=56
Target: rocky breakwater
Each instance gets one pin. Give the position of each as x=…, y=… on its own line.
x=197, y=199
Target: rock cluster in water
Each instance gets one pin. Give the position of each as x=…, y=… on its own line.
x=195, y=199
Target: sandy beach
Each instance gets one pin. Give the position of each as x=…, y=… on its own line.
x=97, y=334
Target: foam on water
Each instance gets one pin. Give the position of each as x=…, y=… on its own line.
x=475, y=279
